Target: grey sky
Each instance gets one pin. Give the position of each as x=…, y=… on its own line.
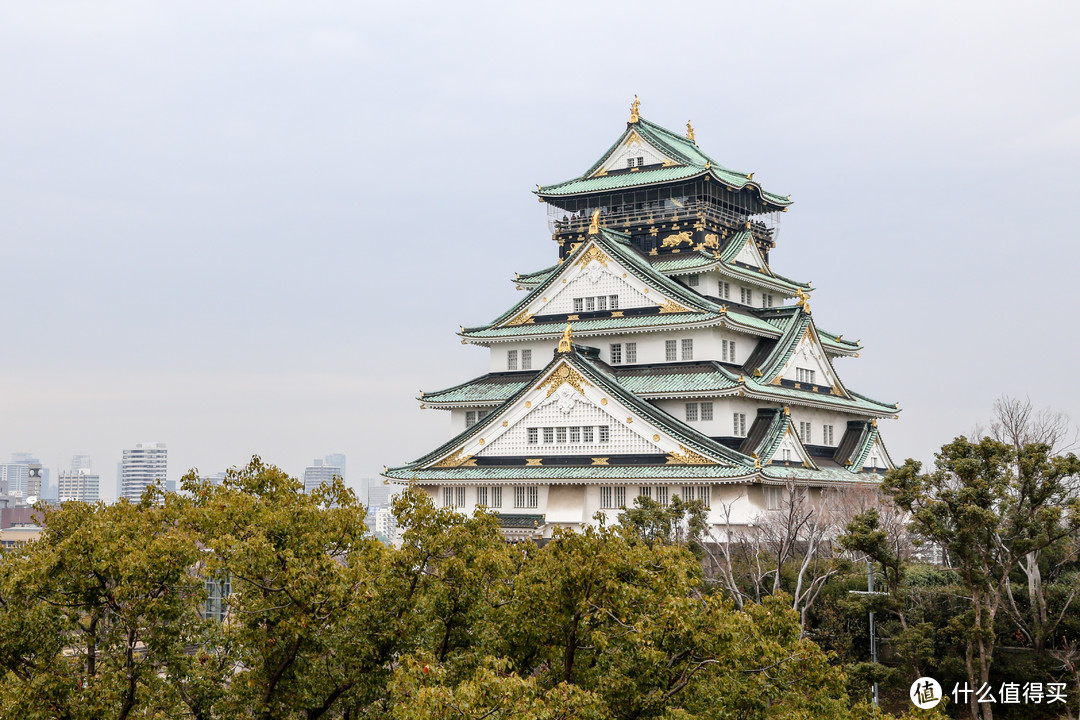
x=215, y=217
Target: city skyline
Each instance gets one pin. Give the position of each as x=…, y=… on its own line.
x=220, y=253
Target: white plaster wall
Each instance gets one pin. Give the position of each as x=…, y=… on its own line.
x=634, y=148
x=542, y=352
x=818, y=419
x=722, y=424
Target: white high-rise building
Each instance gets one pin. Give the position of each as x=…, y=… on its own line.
x=319, y=472
x=15, y=477
x=82, y=485
x=142, y=466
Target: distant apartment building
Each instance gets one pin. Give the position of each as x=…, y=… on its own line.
x=82, y=485
x=319, y=472
x=142, y=466
x=15, y=478
x=81, y=462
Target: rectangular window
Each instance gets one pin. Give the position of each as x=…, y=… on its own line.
x=579, y=304
x=448, y=497
x=453, y=497
x=706, y=410
x=601, y=302
x=613, y=302
x=804, y=375
x=470, y=418
x=629, y=162
x=496, y=497
x=827, y=435
x=575, y=434
x=482, y=496
x=724, y=290
x=804, y=431
x=693, y=280
x=739, y=424
x=687, y=349
x=620, y=497
x=766, y=300
x=526, y=359
x=631, y=352
x=669, y=350
x=691, y=412
x=605, y=498
x=532, y=434
x=774, y=497
x=616, y=353
x=525, y=497
x=549, y=435
x=587, y=434
x=511, y=359
x=727, y=350
x=662, y=495
x=787, y=454
x=590, y=304
x=645, y=491
x=560, y=435
x=603, y=433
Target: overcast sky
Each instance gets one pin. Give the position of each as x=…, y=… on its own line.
x=254, y=227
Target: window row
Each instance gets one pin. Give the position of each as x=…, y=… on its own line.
x=728, y=350
x=490, y=497
x=806, y=433
x=699, y=410
x=598, y=302
x=804, y=375
x=474, y=416
x=617, y=355
x=662, y=494
x=635, y=162
x=672, y=346
x=572, y=435
x=746, y=295
x=512, y=359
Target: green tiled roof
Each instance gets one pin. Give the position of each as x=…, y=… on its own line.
x=491, y=389
x=660, y=380
x=509, y=520
x=584, y=326
x=568, y=472
x=537, y=276
x=692, y=163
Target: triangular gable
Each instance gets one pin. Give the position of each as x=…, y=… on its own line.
x=808, y=354
x=874, y=456
x=631, y=147
x=773, y=440
x=749, y=254
x=568, y=394
x=595, y=270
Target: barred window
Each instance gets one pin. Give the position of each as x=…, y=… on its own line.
x=532, y=434
x=560, y=435
x=805, y=375
x=724, y=290
x=693, y=280
x=669, y=350
x=739, y=424
x=511, y=359
x=827, y=434
x=482, y=496
x=613, y=302
x=526, y=359
x=645, y=491
x=453, y=497
x=601, y=302
x=620, y=497
x=604, y=433
x=590, y=304
x=605, y=497
x=662, y=495
x=470, y=418
x=575, y=434
x=578, y=304
x=587, y=434
x=616, y=353
x=727, y=350
x=804, y=431
x=687, y=349
x=631, y=352
x=496, y=497
x=746, y=296
x=525, y=497
x=706, y=410
x=691, y=412
x=774, y=497
x=549, y=435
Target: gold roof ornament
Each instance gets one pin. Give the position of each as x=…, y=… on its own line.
x=635, y=110
x=566, y=344
x=594, y=226
x=804, y=300
x=690, y=132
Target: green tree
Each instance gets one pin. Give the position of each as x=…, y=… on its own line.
x=988, y=506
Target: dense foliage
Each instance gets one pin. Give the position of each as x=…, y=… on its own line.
x=103, y=617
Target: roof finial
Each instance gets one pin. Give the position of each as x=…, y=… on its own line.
x=566, y=344
x=804, y=300
x=594, y=226
x=635, y=108
x=690, y=132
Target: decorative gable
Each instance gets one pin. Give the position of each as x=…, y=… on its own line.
x=809, y=366
x=633, y=148
x=790, y=450
x=877, y=457
x=592, y=280
x=750, y=255
x=564, y=413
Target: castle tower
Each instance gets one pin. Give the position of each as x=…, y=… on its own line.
x=660, y=356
